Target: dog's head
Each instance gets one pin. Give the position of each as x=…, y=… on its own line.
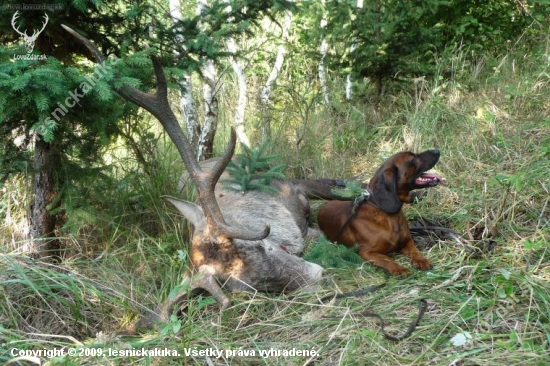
x=399, y=175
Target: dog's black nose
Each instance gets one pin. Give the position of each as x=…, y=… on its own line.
x=435, y=152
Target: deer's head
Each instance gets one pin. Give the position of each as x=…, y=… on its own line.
x=29, y=40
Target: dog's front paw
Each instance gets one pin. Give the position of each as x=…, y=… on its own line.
x=421, y=263
x=399, y=271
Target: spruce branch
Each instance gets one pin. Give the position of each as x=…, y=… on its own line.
x=352, y=189
x=252, y=171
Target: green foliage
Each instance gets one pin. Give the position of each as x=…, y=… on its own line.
x=71, y=297
x=352, y=189
x=252, y=170
x=30, y=92
x=202, y=36
x=331, y=255
x=172, y=327
x=390, y=39
x=45, y=100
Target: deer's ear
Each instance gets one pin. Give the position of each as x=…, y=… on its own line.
x=190, y=211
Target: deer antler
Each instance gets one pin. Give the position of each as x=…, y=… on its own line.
x=157, y=104
x=13, y=19
x=35, y=33
x=29, y=40
x=24, y=34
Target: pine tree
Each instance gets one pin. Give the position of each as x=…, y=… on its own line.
x=252, y=170
x=62, y=137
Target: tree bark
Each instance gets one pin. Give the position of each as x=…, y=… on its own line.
x=265, y=93
x=42, y=223
x=242, y=100
x=349, y=83
x=210, y=95
x=187, y=100
x=210, y=89
x=189, y=111
x=322, y=72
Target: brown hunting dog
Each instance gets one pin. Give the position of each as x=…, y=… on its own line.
x=377, y=223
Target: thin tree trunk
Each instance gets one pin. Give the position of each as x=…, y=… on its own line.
x=242, y=99
x=187, y=100
x=210, y=91
x=41, y=222
x=349, y=83
x=208, y=132
x=322, y=72
x=378, y=79
x=265, y=94
x=189, y=111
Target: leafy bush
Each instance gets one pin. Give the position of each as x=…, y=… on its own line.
x=389, y=39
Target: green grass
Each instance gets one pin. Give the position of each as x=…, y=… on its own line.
x=493, y=128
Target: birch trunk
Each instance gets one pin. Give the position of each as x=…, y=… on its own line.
x=265, y=93
x=189, y=111
x=242, y=98
x=210, y=89
x=349, y=83
x=322, y=72
x=187, y=100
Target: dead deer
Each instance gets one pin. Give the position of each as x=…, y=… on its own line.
x=247, y=241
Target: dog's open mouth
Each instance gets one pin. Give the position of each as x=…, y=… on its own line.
x=429, y=180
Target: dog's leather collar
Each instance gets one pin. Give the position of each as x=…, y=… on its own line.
x=365, y=197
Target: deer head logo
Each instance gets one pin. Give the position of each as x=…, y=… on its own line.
x=29, y=40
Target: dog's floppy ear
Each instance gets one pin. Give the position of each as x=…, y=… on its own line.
x=384, y=193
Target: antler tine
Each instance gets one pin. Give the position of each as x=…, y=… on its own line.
x=43, y=25
x=86, y=42
x=157, y=104
x=206, y=194
x=13, y=19
x=243, y=234
x=220, y=166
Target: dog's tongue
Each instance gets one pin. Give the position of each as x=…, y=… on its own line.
x=433, y=177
